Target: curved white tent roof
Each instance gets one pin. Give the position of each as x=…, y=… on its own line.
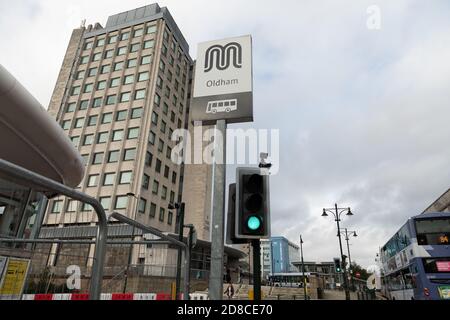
x=32, y=139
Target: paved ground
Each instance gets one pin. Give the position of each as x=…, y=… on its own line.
x=338, y=295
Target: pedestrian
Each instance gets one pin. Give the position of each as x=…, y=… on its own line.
x=229, y=291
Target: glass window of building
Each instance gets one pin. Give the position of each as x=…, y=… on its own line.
x=65, y=124
x=112, y=39
x=176, y=85
x=146, y=59
x=85, y=207
x=172, y=197
x=102, y=137
x=118, y=66
x=164, y=192
x=158, y=166
x=111, y=99
x=166, y=171
x=75, y=91
x=133, y=133
x=97, y=102
x=167, y=92
x=57, y=206
x=168, y=152
x=151, y=137
x=174, y=177
x=121, y=51
x=71, y=205
x=83, y=104
x=108, y=179
x=159, y=82
x=79, y=75
x=88, y=139
x=100, y=42
x=105, y=69
x=149, y=44
x=88, y=45
x=169, y=217
x=151, y=29
x=114, y=82
x=97, y=158
x=121, y=115
x=145, y=181
x=128, y=79
x=101, y=85
x=75, y=140
x=117, y=135
x=162, y=211
x=125, y=36
x=138, y=32
x=121, y=202
x=171, y=60
x=139, y=94
x=92, y=72
x=161, y=145
x=109, y=54
x=129, y=154
x=152, y=210
x=173, y=45
x=125, y=177
x=88, y=87
x=125, y=96
x=157, y=99
x=165, y=108
x=84, y=59
x=131, y=63
x=136, y=113
x=169, y=75
x=155, y=187
x=79, y=122
x=105, y=202
x=107, y=117
x=162, y=66
x=113, y=156
x=92, y=120
x=92, y=180
x=96, y=56
x=172, y=117
x=148, y=158
x=154, y=118
x=142, y=76
x=134, y=47
x=166, y=35
x=163, y=126
x=142, y=205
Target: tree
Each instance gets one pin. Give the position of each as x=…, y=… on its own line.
x=356, y=268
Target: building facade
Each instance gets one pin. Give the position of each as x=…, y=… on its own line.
x=278, y=255
x=441, y=204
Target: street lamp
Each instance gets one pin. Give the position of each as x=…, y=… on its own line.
x=303, y=267
x=130, y=194
x=336, y=212
x=180, y=216
x=347, y=232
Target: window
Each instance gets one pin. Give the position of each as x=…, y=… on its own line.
x=133, y=133
x=158, y=166
x=152, y=210
x=83, y=104
x=164, y=192
x=169, y=217
x=121, y=202
x=166, y=172
x=86, y=207
x=92, y=180
x=105, y=202
x=134, y=47
x=65, y=124
x=118, y=66
x=125, y=177
x=161, y=145
x=79, y=75
x=131, y=63
x=88, y=139
x=105, y=69
x=151, y=137
x=168, y=152
x=125, y=36
x=173, y=45
x=97, y=102
x=129, y=154
x=79, y=122
x=171, y=60
x=107, y=117
x=57, y=206
x=121, y=115
x=154, y=118
x=125, y=97
x=97, y=158
x=112, y=39
x=71, y=206
x=114, y=82
x=138, y=32
x=96, y=56
x=155, y=187
x=102, y=137
x=128, y=79
x=100, y=42
x=75, y=140
x=163, y=126
x=108, y=54
x=139, y=94
x=166, y=35
x=172, y=116
x=145, y=181
x=167, y=92
x=157, y=99
x=149, y=44
x=148, y=158
x=159, y=82
x=108, y=179
x=121, y=51
x=113, y=156
x=174, y=177
x=75, y=91
x=142, y=205
x=169, y=76
x=172, y=197
x=136, y=113
x=176, y=85
x=88, y=45
x=92, y=121
x=117, y=135
x=84, y=59
x=110, y=99
x=162, y=66
x=151, y=29
x=101, y=85
x=162, y=211
x=430, y=232
x=146, y=60
x=165, y=108
x=92, y=72
x=88, y=87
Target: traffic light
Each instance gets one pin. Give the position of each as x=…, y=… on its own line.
x=231, y=217
x=337, y=265
x=344, y=261
x=252, y=204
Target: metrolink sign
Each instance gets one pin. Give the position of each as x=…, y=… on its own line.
x=223, y=81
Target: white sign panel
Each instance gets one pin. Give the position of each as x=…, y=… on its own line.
x=223, y=81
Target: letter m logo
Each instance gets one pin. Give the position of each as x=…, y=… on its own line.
x=222, y=56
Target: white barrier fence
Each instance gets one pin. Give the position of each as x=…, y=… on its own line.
x=110, y=296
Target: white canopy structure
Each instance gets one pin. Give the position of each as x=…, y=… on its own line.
x=32, y=139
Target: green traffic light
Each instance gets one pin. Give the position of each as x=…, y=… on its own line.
x=253, y=223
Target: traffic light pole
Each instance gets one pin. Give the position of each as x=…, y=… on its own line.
x=180, y=252
x=256, y=269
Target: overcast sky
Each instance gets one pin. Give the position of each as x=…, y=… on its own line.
x=363, y=114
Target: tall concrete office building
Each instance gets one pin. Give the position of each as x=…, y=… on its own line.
x=121, y=92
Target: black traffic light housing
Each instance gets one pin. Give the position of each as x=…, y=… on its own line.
x=231, y=217
x=337, y=265
x=252, y=204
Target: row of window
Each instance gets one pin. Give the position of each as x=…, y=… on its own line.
x=102, y=137
x=139, y=94
x=111, y=156
x=106, y=117
x=134, y=47
x=158, y=164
